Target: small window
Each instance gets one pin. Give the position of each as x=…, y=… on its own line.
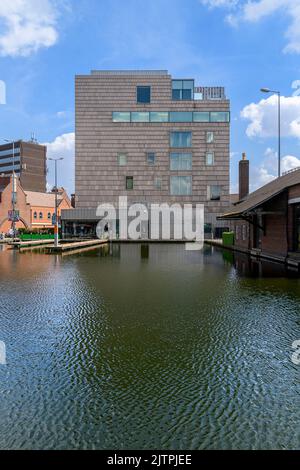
x=214, y=193
x=35, y=215
x=209, y=137
x=41, y=215
x=181, y=139
x=201, y=116
x=122, y=159
x=143, y=94
x=139, y=117
x=129, y=183
x=181, y=161
x=181, y=185
x=219, y=116
x=181, y=116
x=121, y=116
x=159, y=116
x=182, y=90
x=150, y=158
x=210, y=158
x=157, y=183
x=49, y=215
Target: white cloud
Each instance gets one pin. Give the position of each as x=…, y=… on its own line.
x=267, y=170
x=27, y=26
x=62, y=146
x=253, y=11
x=263, y=117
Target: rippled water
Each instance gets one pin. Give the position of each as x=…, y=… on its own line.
x=147, y=347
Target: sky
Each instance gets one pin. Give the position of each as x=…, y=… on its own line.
x=242, y=45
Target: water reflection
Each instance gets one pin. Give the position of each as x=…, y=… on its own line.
x=146, y=346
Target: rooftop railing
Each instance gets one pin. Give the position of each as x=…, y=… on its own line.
x=209, y=93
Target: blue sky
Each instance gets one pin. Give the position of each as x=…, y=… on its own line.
x=242, y=45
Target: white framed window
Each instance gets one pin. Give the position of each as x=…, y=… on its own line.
x=122, y=159
x=209, y=137
x=180, y=161
x=210, y=158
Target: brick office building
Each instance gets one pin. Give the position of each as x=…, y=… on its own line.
x=29, y=162
x=266, y=222
x=144, y=135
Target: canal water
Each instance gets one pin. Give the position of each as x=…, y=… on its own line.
x=148, y=346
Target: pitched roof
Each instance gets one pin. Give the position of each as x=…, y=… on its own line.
x=263, y=194
x=42, y=199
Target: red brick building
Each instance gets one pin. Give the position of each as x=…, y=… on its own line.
x=267, y=222
x=36, y=209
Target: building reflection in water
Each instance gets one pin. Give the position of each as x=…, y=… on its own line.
x=247, y=266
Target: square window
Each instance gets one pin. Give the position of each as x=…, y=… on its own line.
x=210, y=158
x=209, y=137
x=180, y=139
x=214, y=193
x=150, y=158
x=143, y=94
x=129, y=183
x=181, y=185
x=122, y=159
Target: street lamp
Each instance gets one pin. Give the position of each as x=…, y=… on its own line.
x=267, y=90
x=55, y=160
x=13, y=188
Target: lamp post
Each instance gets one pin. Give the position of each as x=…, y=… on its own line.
x=55, y=160
x=267, y=90
x=13, y=187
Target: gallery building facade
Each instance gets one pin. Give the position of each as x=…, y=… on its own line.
x=151, y=138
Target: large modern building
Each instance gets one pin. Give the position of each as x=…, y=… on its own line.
x=152, y=138
x=28, y=160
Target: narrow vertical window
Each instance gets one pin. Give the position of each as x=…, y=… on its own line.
x=129, y=183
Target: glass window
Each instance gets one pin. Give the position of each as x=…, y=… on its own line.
x=181, y=185
x=214, y=192
x=209, y=137
x=181, y=161
x=159, y=116
x=210, y=158
x=157, y=183
x=129, y=183
x=181, y=116
x=41, y=215
x=121, y=116
x=140, y=117
x=143, y=94
x=122, y=159
x=182, y=90
x=49, y=215
x=219, y=116
x=35, y=215
x=201, y=116
x=150, y=158
x=180, y=139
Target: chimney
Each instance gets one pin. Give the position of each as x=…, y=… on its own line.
x=73, y=200
x=243, y=177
